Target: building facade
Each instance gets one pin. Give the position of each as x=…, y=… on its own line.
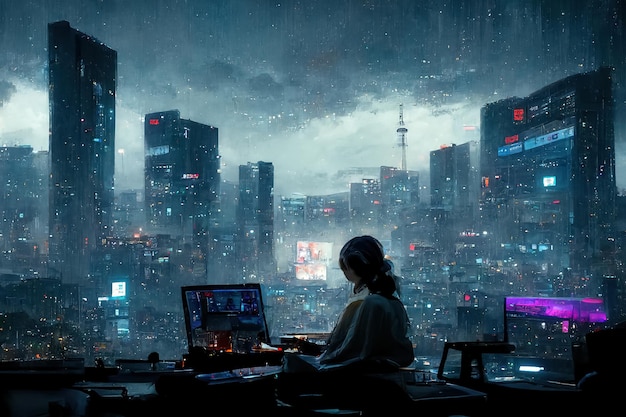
x=454, y=177
x=548, y=191
x=365, y=206
x=182, y=177
x=255, y=221
x=82, y=74
x=399, y=195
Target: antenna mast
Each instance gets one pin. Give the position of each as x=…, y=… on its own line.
x=401, y=132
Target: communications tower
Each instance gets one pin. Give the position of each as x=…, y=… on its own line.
x=401, y=132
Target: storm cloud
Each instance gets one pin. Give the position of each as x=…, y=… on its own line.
x=314, y=87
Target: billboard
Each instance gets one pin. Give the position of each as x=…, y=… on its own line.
x=581, y=310
x=312, y=260
x=308, y=251
x=118, y=289
x=311, y=272
x=512, y=147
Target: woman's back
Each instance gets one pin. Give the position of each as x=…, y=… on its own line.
x=373, y=329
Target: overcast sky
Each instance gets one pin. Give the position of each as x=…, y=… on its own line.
x=313, y=87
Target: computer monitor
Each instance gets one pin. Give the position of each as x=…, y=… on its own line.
x=227, y=317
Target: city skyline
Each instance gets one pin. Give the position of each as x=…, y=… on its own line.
x=143, y=262
x=515, y=164
x=313, y=105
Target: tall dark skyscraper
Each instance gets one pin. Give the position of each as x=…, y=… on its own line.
x=548, y=178
x=255, y=219
x=82, y=75
x=182, y=177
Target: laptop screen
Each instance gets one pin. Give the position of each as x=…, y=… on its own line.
x=228, y=317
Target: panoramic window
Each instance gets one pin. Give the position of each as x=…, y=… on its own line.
x=152, y=147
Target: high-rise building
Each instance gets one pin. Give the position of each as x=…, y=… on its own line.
x=21, y=208
x=327, y=211
x=365, y=205
x=41, y=170
x=453, y=175
x=255, y=219
x=82, y=74
x=399, y=195
x=222, y=243
x=182, y=173
x=548, y=190
x=129, y=213
x=292, y=213
x=454, y=192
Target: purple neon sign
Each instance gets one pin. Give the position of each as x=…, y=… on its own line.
x=581, y=310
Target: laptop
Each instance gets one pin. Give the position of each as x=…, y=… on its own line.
x=225, y=317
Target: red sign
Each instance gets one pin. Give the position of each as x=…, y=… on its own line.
x=154, y=122
x=518, y=115
x=511, y=139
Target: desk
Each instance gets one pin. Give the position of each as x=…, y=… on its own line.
x=238, y=392
x=378, y=393
x=41, y=388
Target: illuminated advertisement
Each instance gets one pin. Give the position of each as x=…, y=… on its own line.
x=311, y=272
x=312, y=259
x=549, y=138
x=538, y=109
x=549, y=181
x=158, y=150
x=512, y=147
x=118, y=289
x=307, y=252
x=581, y=310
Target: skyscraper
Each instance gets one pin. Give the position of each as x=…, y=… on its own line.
x=453, y=173
x=20, y=203
x=399, y=195
x=365, y=206
x=548, y=177
x=255, y=218
x=82, y=75
x=182, y=177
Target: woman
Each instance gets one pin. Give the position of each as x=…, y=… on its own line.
x=372, y=329
x=373, y=326
x=367, y=346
